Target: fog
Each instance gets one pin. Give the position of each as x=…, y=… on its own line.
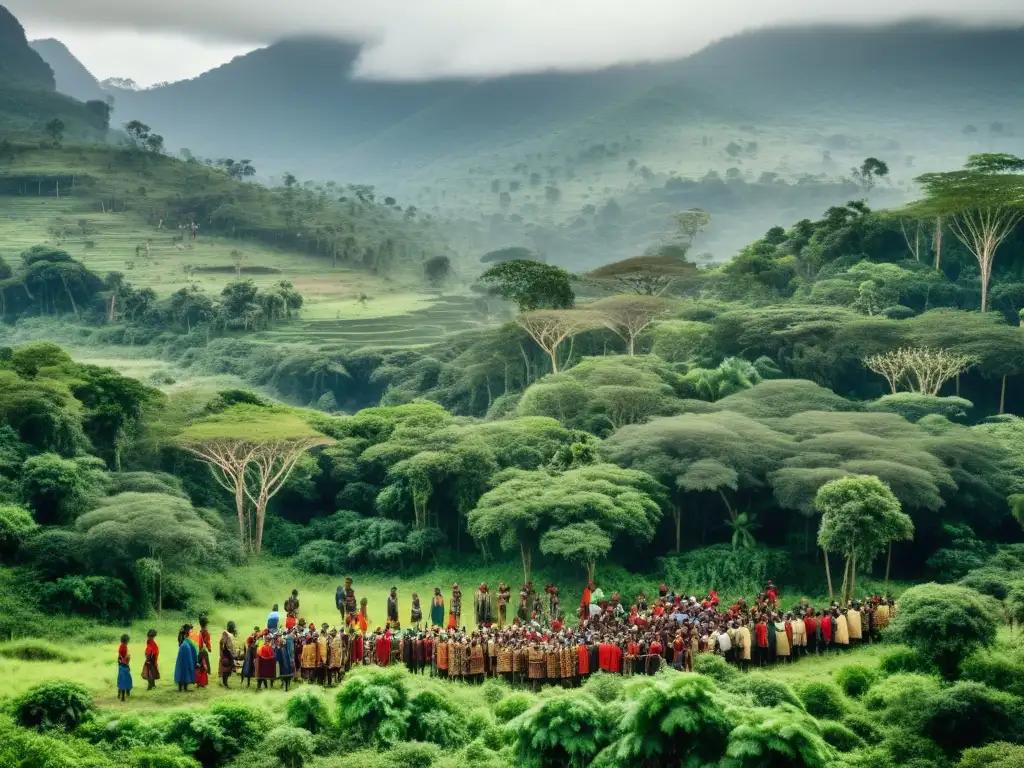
x=430, y=38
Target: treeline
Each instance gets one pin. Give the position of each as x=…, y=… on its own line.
x=48, y=282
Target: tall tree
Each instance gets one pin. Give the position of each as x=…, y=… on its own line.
x=251, y=451
x=983, y=203
x=551, y=327
x=629, y=316
x=645, y=275
x=531, y=284
x=860, y=516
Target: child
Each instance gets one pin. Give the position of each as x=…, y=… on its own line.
x=151, y=666
x=124, y=674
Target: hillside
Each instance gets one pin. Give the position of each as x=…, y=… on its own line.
x=71, y=76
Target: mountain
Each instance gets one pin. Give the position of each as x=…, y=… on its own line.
x=72, y=78
x=18, y=62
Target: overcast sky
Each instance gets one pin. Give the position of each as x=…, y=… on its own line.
x=151, y=40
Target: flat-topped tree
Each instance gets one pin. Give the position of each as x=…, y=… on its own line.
x=644, y=275
x=629, y=316
x=550, y=327
x=251, y=451
x=983, y=203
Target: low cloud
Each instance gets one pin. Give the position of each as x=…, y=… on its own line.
x=430, y=38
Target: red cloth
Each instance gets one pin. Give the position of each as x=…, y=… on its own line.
x=556, y=626
x=656, y=648
x=583, y=660
x=826, y=628
x=811, y=625
x=773, y=596
x=789, y=633
x=122, y=654
x=289, y=623
x=615, y=659
x=604, y=657
x=677, y=649
x=762, y=635
x=713, y=598
x=658, y=611
x=152, y=651
x=586, y=597
x=633, y=649
x=357, y=649
x=452, y=624
x=383, y=650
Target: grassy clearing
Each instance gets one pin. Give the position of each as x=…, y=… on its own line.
x=245, y=595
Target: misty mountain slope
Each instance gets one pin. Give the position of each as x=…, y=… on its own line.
x=19, y=64
x=72, y=77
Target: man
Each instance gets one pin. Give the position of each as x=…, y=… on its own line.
x=503, y=597
x=350, y=606
x=393, y=607
x=455, y=607
x=273, y=619
x=291, y=604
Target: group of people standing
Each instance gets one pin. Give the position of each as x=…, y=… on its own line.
x=535, y=645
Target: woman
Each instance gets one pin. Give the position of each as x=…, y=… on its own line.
x=151, y=666
x=124, y=673
x=437, y=609
x=187, y=661
x=227, y=654
x=249, y=660
x=285, y=652
x=204, y=645
x=266, y=662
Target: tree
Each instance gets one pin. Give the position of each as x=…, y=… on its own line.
x=983, y=203
x=251, y=451
x=629, y=316
x=691, y=223
x=132, y=527
x=920, y=369
x=644, y=275
x=779, y=736
x=55, y=130
x=437, y=270
x=711, y=475
x=869, y=172
x=238, y=259
x=582, y=542
x=564, y=730
x=945, y=623
x=549, y=328
x=512, y=253
x=531, y=284
x=16, y=526
x=860, y=516
x=59, y=489
x=141, y=137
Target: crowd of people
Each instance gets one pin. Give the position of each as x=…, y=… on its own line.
x=527, y=640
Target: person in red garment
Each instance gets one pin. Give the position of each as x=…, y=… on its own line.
x=383, y=649
x=203, y=670
x=151, y=666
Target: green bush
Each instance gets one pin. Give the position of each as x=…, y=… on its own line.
x=905, y=660
x=863, y=726
x=994, y=582
x=996, y=668
x=909, y=749
x=902, y=699
x=562, y=730
x=293, y=747
x=477, y=722
x=99, y=597
x=436, y=719
x=309, y=709
x=1001, y=754
x=715, y=667
x=840, y=737
x=765, y=691
x=412, y=754
x=157, y=756
x=373, y=705
x=969, y=714
x=822, y=700
x=781, y=736
x=320, y=556
x=855, y=679
x=16, y=526
x=60, y=706
x=37, y=650
x=604, y=687
x=494, y=690
x=123, y=733
x=220, y=733
x=512, y=706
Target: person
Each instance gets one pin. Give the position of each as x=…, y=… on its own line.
x=291, y=603
x=363, y=618
x=743, y=649
x=124, y=672
x=151, y=665
x=437, y=609
x=392, y=613
x=503, y=596
x=227, y=653
x=482, y=606
x=339, y=602
x=455, y=607
x=351, y=604
x=249, y=659
x=266, y=661
x=782, y=646
x=203, y=647
x=416, y=614
x=187, y=661
x=285, y=652
x=274, y=619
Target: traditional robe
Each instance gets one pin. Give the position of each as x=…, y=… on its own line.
x=853, y=624
x=416, y=614
x=781, y=639
x=842, y=630
x=393, y=609
x=249, y=662
x=227, y=653
x=743, y=643
x=151, y=666
x=826, y=626
x=266, y=661
x=286, y=658
x=203, y=667
x=882, y=616
x=482, y=607
x=437, y=611
x=799, y=633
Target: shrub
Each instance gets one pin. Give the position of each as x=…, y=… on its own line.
x=840, y=737
x=822, y=700
x=993, y=582
x=715, y=667
x=604, y=687
x=411, y=754
x=100, y=597
x=783, y=736
x=855, y=679
x=863, y=726
x=997, y=669
x=998, y=755
x=157, y=756
x=37, y=650
x=218, y=734
x=512, y=706
x=909, y=749
x=62, y=706
x=320, y=556
x=478, y=722
x=902, y=699
x=16, y=526
x=904, y=660
x=563, y=730
x=373, y=704
x=970, y=714
x=765, y=691
x=435, y=719
x=309, y=709
x=945, y=623
x=293, y=747
x=494, y=690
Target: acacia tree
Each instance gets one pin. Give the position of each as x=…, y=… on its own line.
x=691, y=223
x=629, y=316
x=251, y=451
x=860, y=516
x=983, y=203
x=550, y=327
x=582, y=542
x=531, y=284
x=643, y=275
x=920, y=369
